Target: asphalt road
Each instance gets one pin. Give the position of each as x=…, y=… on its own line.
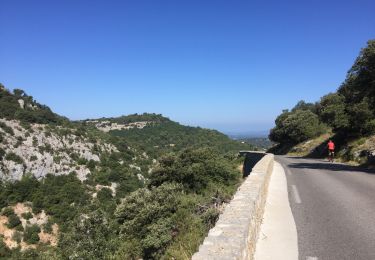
x=333, y=206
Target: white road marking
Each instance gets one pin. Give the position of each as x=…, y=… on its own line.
x=297, y=198
x=311, y=258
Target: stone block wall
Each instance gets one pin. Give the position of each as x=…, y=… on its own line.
x=235, y=233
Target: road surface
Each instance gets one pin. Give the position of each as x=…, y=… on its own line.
x=333, y=206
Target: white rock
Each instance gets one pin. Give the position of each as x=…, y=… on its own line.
x=22, y=103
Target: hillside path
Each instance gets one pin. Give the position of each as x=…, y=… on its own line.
x=333, y=206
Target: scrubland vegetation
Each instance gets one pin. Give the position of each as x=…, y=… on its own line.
x=154, y=195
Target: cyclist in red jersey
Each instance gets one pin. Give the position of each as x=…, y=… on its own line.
x=331, y=150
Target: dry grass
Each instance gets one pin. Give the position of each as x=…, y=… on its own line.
x=305, y=148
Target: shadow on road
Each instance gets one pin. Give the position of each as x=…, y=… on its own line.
x=330, y=167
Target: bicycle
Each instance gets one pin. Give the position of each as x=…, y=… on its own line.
x=331, y=155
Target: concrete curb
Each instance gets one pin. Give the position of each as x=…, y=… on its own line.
x=235, y=233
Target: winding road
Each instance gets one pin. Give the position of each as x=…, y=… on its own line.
x=333, y=206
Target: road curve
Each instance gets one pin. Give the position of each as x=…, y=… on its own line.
x=333, y=207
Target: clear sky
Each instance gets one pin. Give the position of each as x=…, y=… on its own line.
x=229, y=65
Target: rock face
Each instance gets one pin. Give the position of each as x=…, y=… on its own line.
x=40, y=150
x=107, y=126
x=22, y=103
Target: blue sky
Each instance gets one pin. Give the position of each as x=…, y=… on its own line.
x=228, y=65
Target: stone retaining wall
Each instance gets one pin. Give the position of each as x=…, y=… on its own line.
x=235, y=233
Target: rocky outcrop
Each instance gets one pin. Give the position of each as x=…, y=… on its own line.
x=107, y=126
x=39, y=150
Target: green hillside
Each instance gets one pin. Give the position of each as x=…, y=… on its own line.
x=151, y=189
x=18, y=105
x=168, y=136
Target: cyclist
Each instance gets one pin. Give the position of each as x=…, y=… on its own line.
x=331, y=150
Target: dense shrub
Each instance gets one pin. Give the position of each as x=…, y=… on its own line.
x=360, y=80
x=194, y=169
x=332, y=111
x=31, y=234
x=27, y=215
x=14, y=157
x=4, y=250
x=104, y=194
x=7, y=211
x=6, y=128
x=13, y=221
x=302, y=105
x=91, y=237
x=136, y=211
x=47, y=227
x=359, y=91
x=19, y=191
x=60, y=196
x=295, y=127
x=2, y=153
x=362, y=119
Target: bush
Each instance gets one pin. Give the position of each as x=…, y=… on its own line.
x=21, y=190
x=27, y=215
x=195, y=169
x=332, y=111
x=60, y=196
x=26, y=125
x=13, y=221
x=47, y=227
x=82, y=161
x=31, y=234
x=14, y=157
x=2, y=153
x=136, y=210
x=104, y=195
x=7, y=211
x=6, y=128
x=129, y=249
x=89, y=238
x=56, y=159
x=362, y=119
x=295, y=127
x=91, y=165
x=210, y=217
x=4, y=251
x=102, y=177
x=19, y=228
